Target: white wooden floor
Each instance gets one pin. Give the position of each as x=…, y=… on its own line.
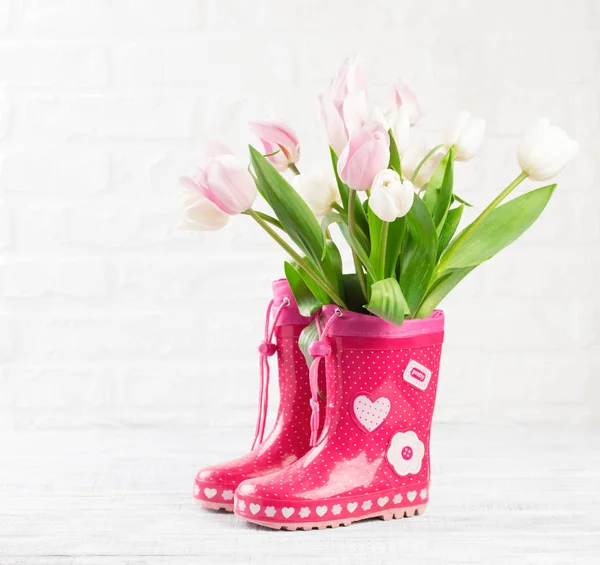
x=500, y=495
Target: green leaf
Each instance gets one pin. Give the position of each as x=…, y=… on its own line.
x=375, y=225
x=334, y=218
x=438, y=291
x=332, y=267
x=358, y=249
x=395, y=239
x=394, y=155
x=308, y=303
x=438, y=194
x=351, y=239
x=314, y=287
x=289, y=207
x=418, y=257
x=387, y=301
x=360, y=218
x=309, y=334
x=482, y=240
x=448, y=228
x=353, y=293
x=396, y=234
x=342, y=188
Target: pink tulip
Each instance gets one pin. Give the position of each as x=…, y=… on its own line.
x=280, y=139
x=344, y=107
x=349, y=78
x=367, y=153
x=226, y=182
x=333, y=120
x=403, y=96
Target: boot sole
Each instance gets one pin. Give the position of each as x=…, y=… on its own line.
x=216, y=505
x=215, y=501
x=391, y=514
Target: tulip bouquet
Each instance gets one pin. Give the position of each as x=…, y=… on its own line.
x=392, y=199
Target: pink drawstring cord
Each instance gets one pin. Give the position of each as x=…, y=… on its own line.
x=266, y=349
x=318, y=350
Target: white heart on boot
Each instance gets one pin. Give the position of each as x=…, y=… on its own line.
x=321, y=510
x=411, y=495
x=370, y=415
x=352, y=506
x=254, y=508
x=287, y=511
x=210, y=492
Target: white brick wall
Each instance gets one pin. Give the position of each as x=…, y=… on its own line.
x=110, y=317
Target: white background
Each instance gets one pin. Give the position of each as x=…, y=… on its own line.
x=112, y=318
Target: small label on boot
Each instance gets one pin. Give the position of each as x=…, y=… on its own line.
x=417, y=375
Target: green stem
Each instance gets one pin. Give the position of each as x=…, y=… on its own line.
x=490, y=208
x=273, y=221
x=383, y=249
x=423, y=161
x=351, y=226
x=296, y=257
x=292, y=167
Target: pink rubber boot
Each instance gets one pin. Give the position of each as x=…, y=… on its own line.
x=372, y=457
x=290, y=438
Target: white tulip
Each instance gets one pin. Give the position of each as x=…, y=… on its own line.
x=466, y=134
x=318, y=190
x=413, y=156
x=545, y=150
x=390, y=197
x=200, y=214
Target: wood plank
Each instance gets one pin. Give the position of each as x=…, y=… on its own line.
x=499, y=495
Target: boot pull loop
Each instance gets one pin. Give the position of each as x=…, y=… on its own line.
x=266, y=349
x=318, y=350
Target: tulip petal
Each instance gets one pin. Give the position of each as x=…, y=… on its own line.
x=544, y=150
x=409, y=101
x=201, y=214
x=215, y=148
x=355, y=110
x=230, y=185
x=455, y=128
x=383, y=204
x=334, y=124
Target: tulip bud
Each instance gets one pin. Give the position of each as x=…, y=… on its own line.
x=318, y=190
x=390, y=197
x=349, y=78
x=367, y=153
x=545, y=150
x=466, y=134
x=402, y=96
x=279, y=139
x=200, y=213
x=226, y=182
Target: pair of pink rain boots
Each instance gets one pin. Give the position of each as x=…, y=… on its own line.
x=361, y=453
